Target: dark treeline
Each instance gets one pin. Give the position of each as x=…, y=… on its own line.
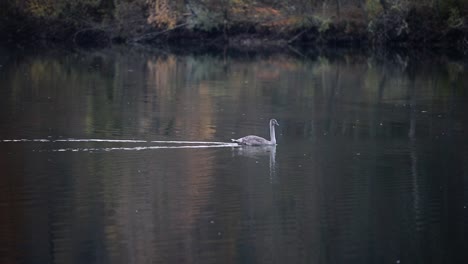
x=238, y=22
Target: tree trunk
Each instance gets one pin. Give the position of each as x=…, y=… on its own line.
x=338, y=6
x=384, y=5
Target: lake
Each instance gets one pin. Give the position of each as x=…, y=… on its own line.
x=371, y=164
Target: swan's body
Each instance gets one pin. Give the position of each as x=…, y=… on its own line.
x=259, y=141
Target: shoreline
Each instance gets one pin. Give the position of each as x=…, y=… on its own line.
x=241, y=25
x=241, y=39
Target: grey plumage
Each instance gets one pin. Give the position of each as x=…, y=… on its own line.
x=259, y=141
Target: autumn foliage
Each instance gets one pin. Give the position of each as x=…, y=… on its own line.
x=379, y=22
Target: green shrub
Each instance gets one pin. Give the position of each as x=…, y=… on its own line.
x=454, y=19
x=205, y=19
x=374, y=8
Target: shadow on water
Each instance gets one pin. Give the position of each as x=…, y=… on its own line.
x=370, y=167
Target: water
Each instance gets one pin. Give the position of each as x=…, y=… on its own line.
x=370, y=167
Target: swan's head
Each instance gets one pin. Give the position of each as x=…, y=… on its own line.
x=274, y=122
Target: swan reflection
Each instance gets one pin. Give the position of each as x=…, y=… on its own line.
x=260, y=152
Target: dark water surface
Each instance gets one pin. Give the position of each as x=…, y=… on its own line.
x=371, y=164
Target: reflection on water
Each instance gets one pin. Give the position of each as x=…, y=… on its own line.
x=257, y=152
x=370, y=167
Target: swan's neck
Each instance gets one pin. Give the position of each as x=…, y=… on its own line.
x=272, y=134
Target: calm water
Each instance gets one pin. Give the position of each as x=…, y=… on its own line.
x=371, y=164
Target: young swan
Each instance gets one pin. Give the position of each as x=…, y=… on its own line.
x=259, y=141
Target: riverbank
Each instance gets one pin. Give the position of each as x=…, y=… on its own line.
x=238, y=24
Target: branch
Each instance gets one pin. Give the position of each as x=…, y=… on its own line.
x=155, y=34
x=297, y=36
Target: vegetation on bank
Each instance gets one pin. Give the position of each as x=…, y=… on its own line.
x=238, y=22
